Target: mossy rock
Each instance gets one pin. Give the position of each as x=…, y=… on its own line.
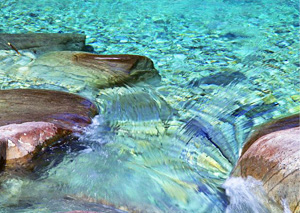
x=72, y=69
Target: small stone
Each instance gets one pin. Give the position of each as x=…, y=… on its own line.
x=269, y=99
x=88, y=48
x=295, y=98
x=33, y=15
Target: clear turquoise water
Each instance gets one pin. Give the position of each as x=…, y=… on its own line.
x=226, y=66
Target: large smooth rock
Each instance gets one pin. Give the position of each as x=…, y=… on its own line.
x=30, y=119
x=67, y=111
x=79, y=69
x=43, y=42
x=22, y=139
x=273, y=126
x=272, y=155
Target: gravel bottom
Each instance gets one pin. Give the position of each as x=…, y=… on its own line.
x=254, y=43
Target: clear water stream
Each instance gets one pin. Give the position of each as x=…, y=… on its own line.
x=226, y=66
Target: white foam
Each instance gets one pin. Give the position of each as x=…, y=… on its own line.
x=248, y=195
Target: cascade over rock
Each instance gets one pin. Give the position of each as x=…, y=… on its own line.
x=272, y=155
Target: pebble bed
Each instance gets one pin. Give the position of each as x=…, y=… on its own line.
x=253, y=42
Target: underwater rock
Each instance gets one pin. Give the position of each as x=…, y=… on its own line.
x=67, y=68
x=67, y=111
x=272, y=155
x=110, y=207
x=22, y=139
x=43, y=42
x=79, y=211
x=220, y=79
x=137, y=104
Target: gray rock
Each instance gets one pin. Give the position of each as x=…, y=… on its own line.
x=40, y=43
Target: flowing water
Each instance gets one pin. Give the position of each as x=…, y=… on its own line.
x=226, y=67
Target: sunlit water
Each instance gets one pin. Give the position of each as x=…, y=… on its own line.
x=226, y=66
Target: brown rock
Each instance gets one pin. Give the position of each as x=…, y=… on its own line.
x=30, y=119
x=274, y=158
x=78, y=69
x=273, y=126
x=22, y=139
x=43, y=42
x=67, y=111
x=122, y=68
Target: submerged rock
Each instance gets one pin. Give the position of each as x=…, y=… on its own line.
x=43, y=42
x=79, y=211
x=272, y=155
x=221, y=78
x=22, y=139
x=67, y=111
x=79, y=69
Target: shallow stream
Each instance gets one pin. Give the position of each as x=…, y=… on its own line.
x=226, y=66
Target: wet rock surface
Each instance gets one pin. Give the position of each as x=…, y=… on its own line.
x=274, y=158
x=77, y=71
x=42, y=42
x=22, y=139
x=67, y=111
x=32, y=119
